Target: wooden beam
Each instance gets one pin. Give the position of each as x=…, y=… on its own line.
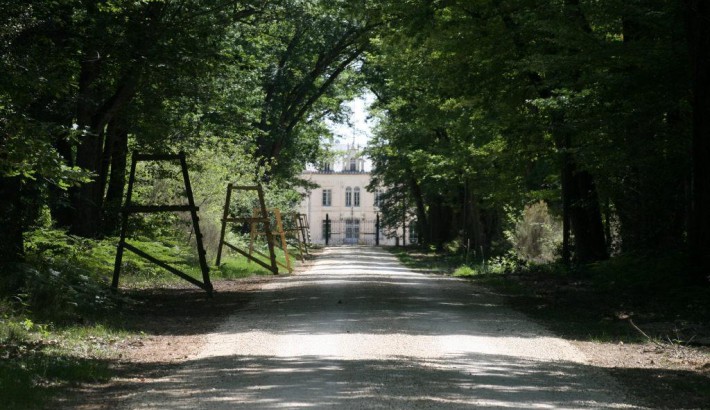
x=165, y=266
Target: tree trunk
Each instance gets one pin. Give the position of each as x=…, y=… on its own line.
x=11, y=226
x=474, y=229
x=440, y=217
x=698, y=15
x=86, y=198
x=566, y=179
x=59, y=200
x=117, y=175
x=581, y=213
x=586, y=219
x=422, y=221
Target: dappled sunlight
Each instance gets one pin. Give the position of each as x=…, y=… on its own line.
x=354, y=345
x=381, y=299
x=374, y=334
x=455, y=381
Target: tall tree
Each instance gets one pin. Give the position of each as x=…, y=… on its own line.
x=697, y=18
x=519, y=87
x=311, y=72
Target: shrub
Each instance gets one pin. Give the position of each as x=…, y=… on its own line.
x=63, y=278
x=537, y=234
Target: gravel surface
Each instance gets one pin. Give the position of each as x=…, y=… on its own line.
x=359, y=330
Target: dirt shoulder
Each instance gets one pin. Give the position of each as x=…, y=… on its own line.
x=659, y=376
x=169, y=327
x=661, y=361
x=660, y=357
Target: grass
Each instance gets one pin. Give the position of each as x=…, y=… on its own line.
x=60, y=325
x=237, y=267
x=39, y=361
x=139, y=273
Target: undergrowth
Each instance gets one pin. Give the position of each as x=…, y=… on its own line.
x=604, y=301
x=59, y=320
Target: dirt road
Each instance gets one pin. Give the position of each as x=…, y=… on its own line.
x=358, y=330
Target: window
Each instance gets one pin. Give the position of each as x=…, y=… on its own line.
x=378, y=198
x=327, y=195
x=353, y=165
x=356, y=196
x=348, y=196
x=325, y=167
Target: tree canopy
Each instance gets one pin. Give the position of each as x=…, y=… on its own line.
x=598, y=108
x=487, y=106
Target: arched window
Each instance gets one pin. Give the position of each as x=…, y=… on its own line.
x=348, y=196
x=356, y=197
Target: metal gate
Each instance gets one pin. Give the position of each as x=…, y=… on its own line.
x=352, y=231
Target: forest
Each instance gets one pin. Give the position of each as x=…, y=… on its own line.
x=559, y=133
x=594, y=108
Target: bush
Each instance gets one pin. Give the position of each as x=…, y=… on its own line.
x=63, y=277
x=537, y=234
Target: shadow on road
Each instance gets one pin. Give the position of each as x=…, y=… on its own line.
x=315, y=382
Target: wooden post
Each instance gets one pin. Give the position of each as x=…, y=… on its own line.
x=282, y=233
x=223, y=231
x=124, y=225
x=201, y=253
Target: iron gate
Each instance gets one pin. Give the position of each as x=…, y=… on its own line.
x=352, y=231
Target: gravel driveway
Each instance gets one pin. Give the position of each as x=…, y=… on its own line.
x=359, y=330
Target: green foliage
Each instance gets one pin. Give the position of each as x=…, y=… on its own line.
x=479, y=104
x=29, y=383
x=58, y=319
x=644, y=274
x=39, y=360
x=63, y=277
x=465, y=271
x=537, y=235
x=309, y=69
x=235, y=267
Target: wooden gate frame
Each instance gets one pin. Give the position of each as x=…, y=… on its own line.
x=129, y=209
x=252, y=221
x=303, y=230
x=299, y=233
x=279, y=231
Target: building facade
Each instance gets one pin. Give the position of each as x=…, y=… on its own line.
x=342, y=196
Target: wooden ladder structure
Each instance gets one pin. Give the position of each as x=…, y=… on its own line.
x=304, y=232
x=298, y=230
x=259, y=217
x=129, y=208
x=280, y=232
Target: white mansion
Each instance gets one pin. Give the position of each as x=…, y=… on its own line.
x=342, y=195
